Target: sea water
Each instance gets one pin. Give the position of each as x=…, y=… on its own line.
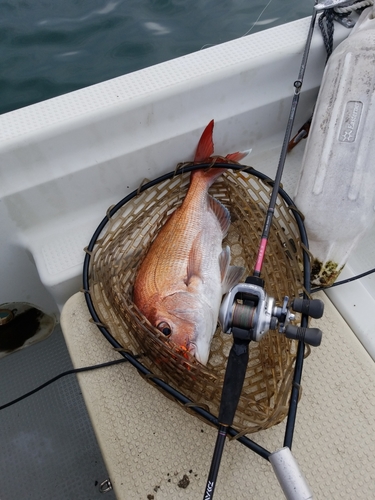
x=48, y=48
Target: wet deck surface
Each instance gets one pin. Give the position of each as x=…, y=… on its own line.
x=48, y=446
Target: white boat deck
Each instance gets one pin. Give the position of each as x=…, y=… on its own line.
x=149, y=443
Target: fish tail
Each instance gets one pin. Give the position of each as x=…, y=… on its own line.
x=238, y=156
x=205, y=147
x=205, y=150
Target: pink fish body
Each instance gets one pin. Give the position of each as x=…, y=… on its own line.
x=181, y=281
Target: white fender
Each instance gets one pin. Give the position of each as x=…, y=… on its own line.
x=336, y=190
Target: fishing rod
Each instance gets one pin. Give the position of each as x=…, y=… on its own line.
x=251, y=317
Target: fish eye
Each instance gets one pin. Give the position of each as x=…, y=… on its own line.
x=164, y=328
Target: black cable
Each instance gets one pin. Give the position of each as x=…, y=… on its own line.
x=63, y=374
x=208, y=417
x=343, y=282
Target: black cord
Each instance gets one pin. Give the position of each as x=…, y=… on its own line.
x=343, y=282
x=63, y=374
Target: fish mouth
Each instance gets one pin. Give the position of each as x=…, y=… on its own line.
x=192, y=348
x=187, y=349
x=194, y=351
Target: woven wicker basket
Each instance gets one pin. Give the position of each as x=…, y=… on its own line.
x=119, y=251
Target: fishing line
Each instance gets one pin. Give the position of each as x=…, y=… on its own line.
x=255, y=22
x=247, y=32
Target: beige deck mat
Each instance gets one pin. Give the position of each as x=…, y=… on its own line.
x=149, y=443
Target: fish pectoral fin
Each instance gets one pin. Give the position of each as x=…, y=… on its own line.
x=221, y=212
x=224, y=261
x=232, y=277
x=194, y=268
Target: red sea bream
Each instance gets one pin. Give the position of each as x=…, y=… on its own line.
x=181, y=281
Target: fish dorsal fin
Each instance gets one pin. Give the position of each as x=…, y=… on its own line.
x=230, y=275
x=205, y=147
x=221, y=212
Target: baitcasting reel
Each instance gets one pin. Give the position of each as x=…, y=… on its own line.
x=248, y=312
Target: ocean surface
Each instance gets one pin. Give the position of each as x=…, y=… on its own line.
x=51, y=47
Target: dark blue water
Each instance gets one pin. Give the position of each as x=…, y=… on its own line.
x=50, y=47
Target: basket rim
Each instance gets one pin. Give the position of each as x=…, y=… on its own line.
x=181, y=169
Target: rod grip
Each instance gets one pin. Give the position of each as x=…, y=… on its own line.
x=233, y=380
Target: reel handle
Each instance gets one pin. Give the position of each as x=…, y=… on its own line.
x=311, y=336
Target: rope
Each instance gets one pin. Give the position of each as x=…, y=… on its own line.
x=327, y=28
x=326, y=21
x=351, y=8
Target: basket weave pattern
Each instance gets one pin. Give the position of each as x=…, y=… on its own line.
x=125, y=241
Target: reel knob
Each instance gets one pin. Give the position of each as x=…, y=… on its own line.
x=313, y=308
x=273, y=323
x=311, y=336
